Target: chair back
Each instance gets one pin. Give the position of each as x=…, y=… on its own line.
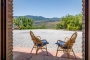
x=36, y=40
x=71, y=41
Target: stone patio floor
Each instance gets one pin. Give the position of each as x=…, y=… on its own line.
x=23, y=53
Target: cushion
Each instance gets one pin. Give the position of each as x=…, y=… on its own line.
x=61, y=43
x=44, y=42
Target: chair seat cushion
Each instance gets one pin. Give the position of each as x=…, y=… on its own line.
x=44, y=42
x=61, y=43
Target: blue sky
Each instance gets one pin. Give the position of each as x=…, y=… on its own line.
x=46, y=8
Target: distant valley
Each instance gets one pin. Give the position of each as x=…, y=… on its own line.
x=40, y=20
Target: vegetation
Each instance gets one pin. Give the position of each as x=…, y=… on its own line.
x=47, y=24
x=26, y=23
x=70, y=22
x=23, y=23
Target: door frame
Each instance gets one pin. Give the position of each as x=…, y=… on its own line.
x=86, y=36
x=0, y=30
x=86, y=28
x=89, y=29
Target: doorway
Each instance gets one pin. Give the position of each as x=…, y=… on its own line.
x=11, y=30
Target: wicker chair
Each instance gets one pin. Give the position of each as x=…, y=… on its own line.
x=66, y=46
x=38, y=43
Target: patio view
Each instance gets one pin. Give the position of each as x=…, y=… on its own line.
x=46, y=24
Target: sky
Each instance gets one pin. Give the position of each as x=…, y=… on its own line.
x=46, y=8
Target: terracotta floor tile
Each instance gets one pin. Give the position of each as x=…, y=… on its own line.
x=37, y=57
x=50, y=58
x=23, y=53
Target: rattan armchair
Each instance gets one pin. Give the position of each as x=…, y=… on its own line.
x=66, y=46
x=38, y=43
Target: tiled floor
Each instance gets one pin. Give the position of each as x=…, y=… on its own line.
x=22, y=53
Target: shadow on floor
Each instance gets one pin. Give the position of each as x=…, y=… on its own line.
x=26, y=56
x=71, y=56
x=41, y=56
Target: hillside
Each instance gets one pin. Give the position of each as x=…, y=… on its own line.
x=40, y=18
x=50, y=23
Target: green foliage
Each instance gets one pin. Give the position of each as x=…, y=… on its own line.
x=40, y=27
x=70, y=22
x=43, y=27
x=26, y=23
x=23, y=22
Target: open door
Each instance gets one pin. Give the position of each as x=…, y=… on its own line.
x=9, y=30
x=6, y=23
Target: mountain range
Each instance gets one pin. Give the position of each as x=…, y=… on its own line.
x=40, y=18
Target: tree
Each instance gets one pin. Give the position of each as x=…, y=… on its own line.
x=70, y=22
x=23, y=22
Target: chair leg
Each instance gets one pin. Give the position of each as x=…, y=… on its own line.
x=32, y=49
x=63, y=50
x=57, y=51
x=46, y=51
x=68, y=54
x=74, y=53
x=41, y=48
x=37, y=50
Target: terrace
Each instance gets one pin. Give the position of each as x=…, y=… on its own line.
x=22, y=45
